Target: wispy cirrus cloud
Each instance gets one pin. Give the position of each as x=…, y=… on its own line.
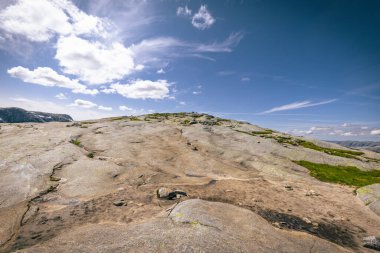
x=157, y=49
x=297, y=105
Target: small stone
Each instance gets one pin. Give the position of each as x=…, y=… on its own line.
x=289, y=187
x=315, y=224
x=311, y=193
x=371, y=242
x=306, y=220
x=53, y=178
x=276, y=224
x=228, y=190
x=163, y=192
x=169, y=194
x=118, y=203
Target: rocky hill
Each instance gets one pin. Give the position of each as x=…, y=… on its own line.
x=182, y=182
x=369, y=145
x=18, y=115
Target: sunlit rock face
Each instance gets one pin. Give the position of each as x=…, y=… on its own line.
x=229, y=187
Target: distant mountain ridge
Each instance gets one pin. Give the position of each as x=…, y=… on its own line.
x=369, y=145
x=18, y=115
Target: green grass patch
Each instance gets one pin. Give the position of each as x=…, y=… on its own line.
x=117, y=118
x=91, y=155
x=347, y=175
x=330, y=151
x=76, y=142
x=255, y=133
x=88, y=122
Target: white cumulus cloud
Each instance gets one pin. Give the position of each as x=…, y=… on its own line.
x=202, y=19
x=143, y=89
x=125, y=108
x=94, y=62
x=48, y=77
x=83, y=104
x=43, y=19
x=375, y=132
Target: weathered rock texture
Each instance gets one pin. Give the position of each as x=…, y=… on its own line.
x=59, y=183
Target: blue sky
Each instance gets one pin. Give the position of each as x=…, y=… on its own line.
x=304, y=67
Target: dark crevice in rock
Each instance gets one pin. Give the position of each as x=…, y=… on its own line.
x=333, y=232
x=336, y=233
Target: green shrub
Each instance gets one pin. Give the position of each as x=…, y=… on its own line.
x=90, y=155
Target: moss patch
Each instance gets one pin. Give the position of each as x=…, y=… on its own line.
x=348, y=175
x=330, y=151
x=90, y=155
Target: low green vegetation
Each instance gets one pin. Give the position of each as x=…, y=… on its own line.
x=88, y=122
x=348, y=175
x=75, y=142
x=90, y=155
x=330, y=151
x=266, y=131
x=255, y=133
x=133, y=118
x=117, y=118
x=268, y=134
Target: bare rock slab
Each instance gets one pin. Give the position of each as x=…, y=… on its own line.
x=193, y=226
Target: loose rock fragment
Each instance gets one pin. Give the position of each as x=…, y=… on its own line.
x=289, y=187
x=169, y=194
x=372, y=242
x=119, y=203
